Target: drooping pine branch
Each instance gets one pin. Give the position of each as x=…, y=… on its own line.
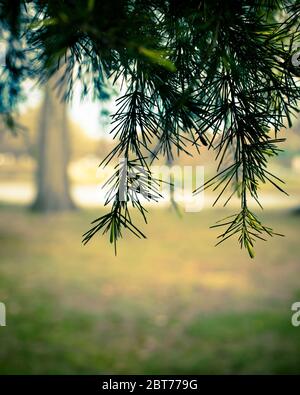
x=219, y=74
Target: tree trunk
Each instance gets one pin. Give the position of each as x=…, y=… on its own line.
x=296, y=210
x=53, y=188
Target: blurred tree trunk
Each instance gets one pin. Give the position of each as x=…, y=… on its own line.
x=53, y=187
x=296, y=210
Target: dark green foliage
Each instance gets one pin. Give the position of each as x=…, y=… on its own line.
x=214, y=73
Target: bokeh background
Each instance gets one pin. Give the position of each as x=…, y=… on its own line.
x=173, y=303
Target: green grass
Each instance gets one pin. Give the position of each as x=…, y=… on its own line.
x=170, y=304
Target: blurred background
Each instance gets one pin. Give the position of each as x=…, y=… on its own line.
x=173, y=303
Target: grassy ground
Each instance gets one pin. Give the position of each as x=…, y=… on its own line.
x=171, y=304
